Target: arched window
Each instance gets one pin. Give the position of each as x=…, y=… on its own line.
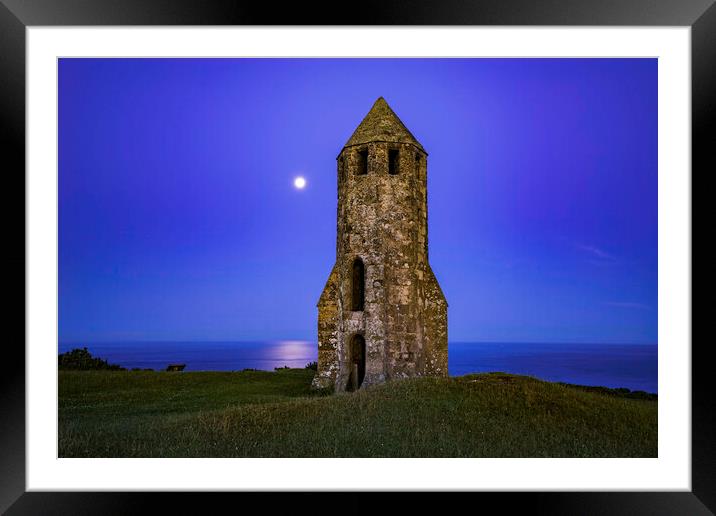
x=393, y=163
x=357, y=285
x=362, y=168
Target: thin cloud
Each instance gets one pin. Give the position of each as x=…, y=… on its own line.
x=596, y=251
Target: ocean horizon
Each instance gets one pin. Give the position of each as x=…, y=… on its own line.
x=633, y=366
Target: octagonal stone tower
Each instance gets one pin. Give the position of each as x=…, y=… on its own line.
x=382, y=314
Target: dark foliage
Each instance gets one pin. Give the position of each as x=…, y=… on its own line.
x=621, y=392
x=312, y=365
x=82, y=360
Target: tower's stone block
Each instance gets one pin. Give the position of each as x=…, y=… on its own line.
x=382, y=313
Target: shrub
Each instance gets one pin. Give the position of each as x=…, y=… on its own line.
x=312, y=365
x=621, y=392
x=82, y=360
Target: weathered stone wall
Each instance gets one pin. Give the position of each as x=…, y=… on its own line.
x=382, y=220
x=328, y=333
x=435, y=323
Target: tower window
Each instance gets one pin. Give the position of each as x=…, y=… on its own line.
x=393, y=161
x=357, y=285
x=362, y=163
x=417, y=162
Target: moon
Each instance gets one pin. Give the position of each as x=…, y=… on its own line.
x=299, y=183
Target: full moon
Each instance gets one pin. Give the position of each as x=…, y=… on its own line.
x=299, y=183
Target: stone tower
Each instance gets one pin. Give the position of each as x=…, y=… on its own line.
x=382, y=314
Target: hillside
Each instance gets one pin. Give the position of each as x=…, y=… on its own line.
x=275, y=414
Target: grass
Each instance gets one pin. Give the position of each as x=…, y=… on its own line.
x=275, y=414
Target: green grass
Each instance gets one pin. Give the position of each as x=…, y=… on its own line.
x=265, y=414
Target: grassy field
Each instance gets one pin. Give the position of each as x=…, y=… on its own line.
x=275, y=414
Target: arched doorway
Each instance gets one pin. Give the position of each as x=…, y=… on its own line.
x=356, y=363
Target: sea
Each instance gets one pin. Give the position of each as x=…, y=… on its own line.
x=609, y=365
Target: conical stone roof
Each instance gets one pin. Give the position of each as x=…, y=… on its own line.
x=381, y=124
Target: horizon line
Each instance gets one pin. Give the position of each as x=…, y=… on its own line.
x=239, y=341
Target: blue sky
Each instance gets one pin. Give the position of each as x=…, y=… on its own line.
x=178, y=219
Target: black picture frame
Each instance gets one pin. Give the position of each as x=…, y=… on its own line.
x=16, y=15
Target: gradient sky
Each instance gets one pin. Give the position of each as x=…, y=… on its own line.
x=178, y=219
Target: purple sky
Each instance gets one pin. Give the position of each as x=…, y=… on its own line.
x=179, y=219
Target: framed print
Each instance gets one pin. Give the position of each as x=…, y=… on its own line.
x=429, y=248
